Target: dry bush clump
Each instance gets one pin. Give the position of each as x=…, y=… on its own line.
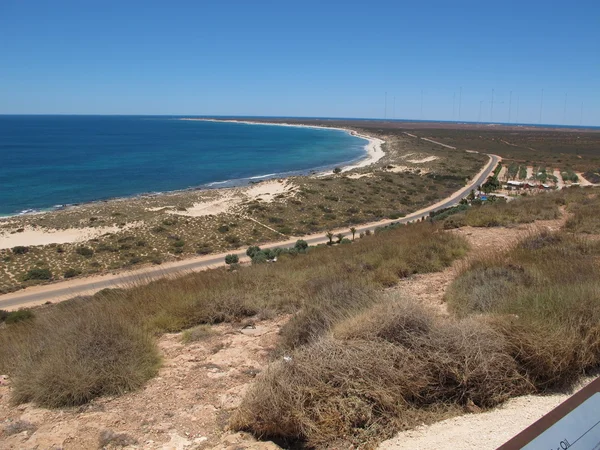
x=69, y=358
x=389, y=368
x=549, y=313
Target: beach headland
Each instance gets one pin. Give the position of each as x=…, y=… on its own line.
x=128, y=233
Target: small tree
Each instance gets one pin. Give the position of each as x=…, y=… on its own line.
x=253, y=250
x=353, y=231
x=339, y=237
x=301, y=245
x=337, y=170
x=329, y=235
x=232, y=259
x=259, y=258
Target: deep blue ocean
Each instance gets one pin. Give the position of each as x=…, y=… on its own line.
x=49, y=161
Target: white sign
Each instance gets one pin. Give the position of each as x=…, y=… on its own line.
x=578, y=430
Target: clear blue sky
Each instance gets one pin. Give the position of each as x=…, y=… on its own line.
x=309, y=58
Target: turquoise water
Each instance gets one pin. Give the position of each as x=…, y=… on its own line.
x=51, y=161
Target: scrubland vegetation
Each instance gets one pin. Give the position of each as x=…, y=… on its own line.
x=105, y=341
x=502, y=213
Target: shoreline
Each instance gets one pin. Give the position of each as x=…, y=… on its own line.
x=373, y=149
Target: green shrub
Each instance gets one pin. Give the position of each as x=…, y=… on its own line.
x=19, y=316
x=259, y=258
x=301, y=245
x=252, y=250
x=20, y=250
x=38, y=274
x=204, y=249
x=84, y=251
x=70, y=273
x=232, y=259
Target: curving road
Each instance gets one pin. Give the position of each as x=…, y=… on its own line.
x=86, y=286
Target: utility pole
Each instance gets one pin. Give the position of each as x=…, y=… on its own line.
x=509, y=106
x=459, y=102
x=517, y=117
x=541, y=106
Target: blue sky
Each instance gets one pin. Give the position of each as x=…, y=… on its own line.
x=309, y=58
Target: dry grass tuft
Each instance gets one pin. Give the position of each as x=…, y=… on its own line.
x=69, y=358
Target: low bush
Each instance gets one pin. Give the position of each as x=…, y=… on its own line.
x=232, y=259
x=84, y=251
x=70, y=273
x=20, y=315
x=20, y=250
x=38, y=274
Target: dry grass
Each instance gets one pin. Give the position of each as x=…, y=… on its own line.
x=584, y=212
x=543, y=296
x=522, y=210
x=525, y=321
x=391, y=367
x=104, y=340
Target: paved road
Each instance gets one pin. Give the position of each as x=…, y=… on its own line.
x=62, y=291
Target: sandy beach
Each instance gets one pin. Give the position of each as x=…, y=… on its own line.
x=227, y=200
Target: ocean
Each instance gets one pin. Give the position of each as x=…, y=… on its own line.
x=47, y=162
